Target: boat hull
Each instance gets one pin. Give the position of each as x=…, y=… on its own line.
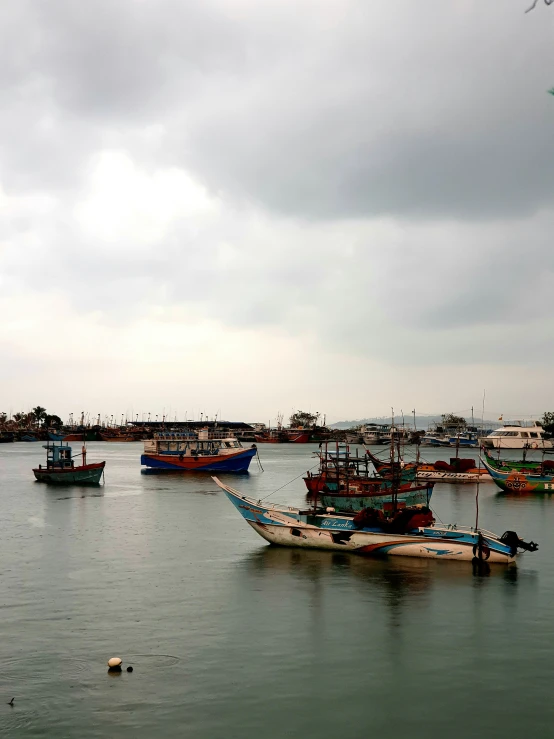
x=445, y=476
x=88, y=474
x=355, y=503
x=238, y=462
x=502, y=442
x=299, y=437
x=376, y=544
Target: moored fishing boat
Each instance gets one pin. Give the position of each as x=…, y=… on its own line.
x=203, y=451
x=61, y=469
x=468, y=440
x=457, y=470
x=411, y=532
x=271, y=436
x=345, y=482
x=282, y=435
x=118, y=436
x=535, y=466
x=518, y=481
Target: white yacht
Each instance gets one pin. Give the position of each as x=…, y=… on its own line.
x=375, y=433
x=515, y=436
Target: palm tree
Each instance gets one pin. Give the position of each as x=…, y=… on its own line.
x=39, y=414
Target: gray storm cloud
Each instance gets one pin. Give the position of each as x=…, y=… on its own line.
x=384, y=170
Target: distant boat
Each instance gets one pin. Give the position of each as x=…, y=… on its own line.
x=410, y=532
x=516, y=481
x=6, y=437
x=298, y=436
x=28, y=437
x=118, y=436
x=354, y=437
x=54, y=436
x=61, y=469
x=458, y=470
x=375, y=433
x=468, y=439
x=434, y=440
x=284, y=436
x=515, y=436
x=204, y=451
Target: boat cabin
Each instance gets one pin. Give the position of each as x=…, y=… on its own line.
x=516, y=436
x=205, y=443
x=58, y=457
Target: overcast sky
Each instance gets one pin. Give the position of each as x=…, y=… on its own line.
x=250, y=206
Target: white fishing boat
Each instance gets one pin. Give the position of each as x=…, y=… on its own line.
x=410, y=533
x=375, y=433
x=517, y=436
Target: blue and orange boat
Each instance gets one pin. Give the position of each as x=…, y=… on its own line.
x=205, y=451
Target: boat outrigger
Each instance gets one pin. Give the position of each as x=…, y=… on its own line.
x=61, y=469
x=410, y=532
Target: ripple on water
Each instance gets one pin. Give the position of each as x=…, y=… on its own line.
x=29, y=680
x=157, y=661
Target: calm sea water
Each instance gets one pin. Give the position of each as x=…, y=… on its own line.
x=229, y=637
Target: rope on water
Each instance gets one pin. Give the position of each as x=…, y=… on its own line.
x=289, y=482
x=259, y=460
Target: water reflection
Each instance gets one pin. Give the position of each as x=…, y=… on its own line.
x=399, y=576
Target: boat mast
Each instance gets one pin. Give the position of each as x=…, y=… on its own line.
x=393, y=466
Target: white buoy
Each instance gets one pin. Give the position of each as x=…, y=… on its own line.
x=114, y=662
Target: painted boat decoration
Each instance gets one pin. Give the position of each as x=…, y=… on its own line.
x=516, y=481
x=61, y=469
x=202, y=452
x=411, y=533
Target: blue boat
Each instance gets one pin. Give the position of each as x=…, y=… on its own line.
x=55, y=437
x=467, y=440
x=202, y=452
